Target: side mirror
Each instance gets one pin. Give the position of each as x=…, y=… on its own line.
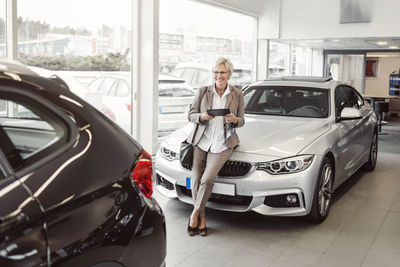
x=349, y=114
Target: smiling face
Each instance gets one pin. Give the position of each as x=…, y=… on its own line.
x=221, y=76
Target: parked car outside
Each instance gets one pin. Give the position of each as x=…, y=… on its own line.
x=175, y=97
x=95, y=99
x=303, y=137
x=198, y=75
x=75, y=189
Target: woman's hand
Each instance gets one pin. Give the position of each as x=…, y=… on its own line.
x=205, y=117
x=231, y=118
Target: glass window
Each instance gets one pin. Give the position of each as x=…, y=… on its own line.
x=191, y=41
x=347, y=68
x=287, y=101
x=3, y=28
x=278, y=59
x=28, y=131
x=95, y=39
x=286, y=58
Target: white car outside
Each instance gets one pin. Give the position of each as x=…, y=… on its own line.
x=175, y=97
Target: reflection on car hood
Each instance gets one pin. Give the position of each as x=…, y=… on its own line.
x=279, y=136
x=274, y=136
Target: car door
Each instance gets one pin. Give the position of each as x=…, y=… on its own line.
x=351, y=145
x=22, y=220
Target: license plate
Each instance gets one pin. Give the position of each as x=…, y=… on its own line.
x=172, y=109
x=224, y=189
x=219, y=188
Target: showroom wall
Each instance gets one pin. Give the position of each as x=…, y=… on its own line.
x=320, y=19
x=317, y=19
x=267, y=12
x=380, y=85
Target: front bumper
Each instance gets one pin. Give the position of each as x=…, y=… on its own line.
x=258, y=191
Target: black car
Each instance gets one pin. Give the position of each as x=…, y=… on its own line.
x=75, y=190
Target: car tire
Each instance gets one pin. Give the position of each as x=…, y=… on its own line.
x=323, y=193
x=373, y=154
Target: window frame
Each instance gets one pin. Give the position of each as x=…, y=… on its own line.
x=15, y=91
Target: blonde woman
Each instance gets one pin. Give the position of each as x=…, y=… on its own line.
x=214, y=137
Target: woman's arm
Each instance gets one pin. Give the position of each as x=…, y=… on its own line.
x=194, y=111
x=240, y=111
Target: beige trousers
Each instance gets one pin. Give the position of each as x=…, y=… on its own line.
x=206, y=166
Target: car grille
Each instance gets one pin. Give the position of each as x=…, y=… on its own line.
x=231, y=169
x=164, y=182
x=222, y=199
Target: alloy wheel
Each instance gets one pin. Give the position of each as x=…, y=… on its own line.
x=374, y=149
x=325, y=190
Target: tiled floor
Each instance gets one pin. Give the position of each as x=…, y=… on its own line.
x=362, y=229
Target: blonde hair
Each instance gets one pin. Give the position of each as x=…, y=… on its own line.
x=226, y=62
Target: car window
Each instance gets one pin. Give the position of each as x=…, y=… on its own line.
x=95, y=84
x=28, y=132
x=122, y=89
x=176, y=72
x=187, y=75
x=105, y=86
x=174, y=90
x=109, y=86
x=287, y=101
x=202, y=77
x=247, y=96
x=347, y=97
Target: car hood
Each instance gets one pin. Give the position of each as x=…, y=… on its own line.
x=279, y=136
x=274, y=136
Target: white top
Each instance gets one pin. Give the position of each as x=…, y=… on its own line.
x=213, y=138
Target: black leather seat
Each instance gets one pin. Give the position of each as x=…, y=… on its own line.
x=9, y=150
x=381, y=108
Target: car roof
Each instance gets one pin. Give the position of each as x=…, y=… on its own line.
x=8, y=66
x=207, y=67
x=300, y=81
x=126, y=75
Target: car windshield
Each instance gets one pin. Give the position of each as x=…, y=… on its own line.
x=287, y=101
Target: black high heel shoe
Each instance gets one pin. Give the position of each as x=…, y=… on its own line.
x=192, y=231
x=201, y=231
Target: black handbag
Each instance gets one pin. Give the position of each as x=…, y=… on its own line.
x=186, y=152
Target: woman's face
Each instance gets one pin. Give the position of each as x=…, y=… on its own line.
x=221, y=75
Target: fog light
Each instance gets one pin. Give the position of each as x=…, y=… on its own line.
x=291, y=199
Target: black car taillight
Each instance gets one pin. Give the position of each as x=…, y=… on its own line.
x=142, y=174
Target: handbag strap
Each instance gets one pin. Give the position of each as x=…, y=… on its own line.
x=197, y=125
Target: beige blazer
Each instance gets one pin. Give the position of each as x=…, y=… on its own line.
x=235, y=103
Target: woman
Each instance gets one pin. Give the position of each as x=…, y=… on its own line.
x=214, y=138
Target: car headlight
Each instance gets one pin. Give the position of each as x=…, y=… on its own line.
x=288, y=165
x=168, y=154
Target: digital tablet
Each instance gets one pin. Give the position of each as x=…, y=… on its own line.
x=218, y=112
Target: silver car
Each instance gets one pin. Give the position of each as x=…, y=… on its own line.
x=303, y=137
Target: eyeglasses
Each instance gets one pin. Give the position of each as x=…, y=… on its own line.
x=220, y=72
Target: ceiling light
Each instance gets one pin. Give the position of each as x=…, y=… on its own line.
x=393, y=47
x=381, y=43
